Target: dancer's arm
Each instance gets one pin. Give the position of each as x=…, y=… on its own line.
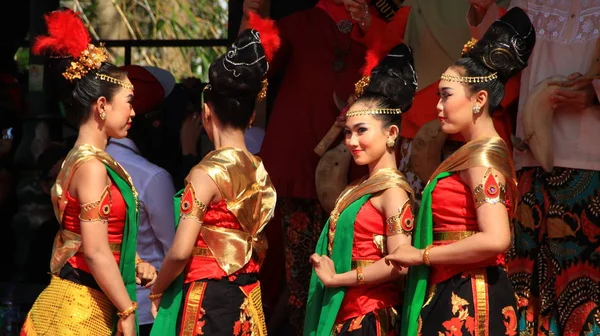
x=88, y=186
x=390, y=203
x=187, y=232
x=493, y=238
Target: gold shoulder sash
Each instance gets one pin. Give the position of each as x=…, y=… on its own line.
x=382, y=179
x=67, y=243
x=246, y=187
x=487, y=152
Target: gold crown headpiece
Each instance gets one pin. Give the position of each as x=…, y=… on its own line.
x=470, y=80
x=373, y=112
x=91, y=59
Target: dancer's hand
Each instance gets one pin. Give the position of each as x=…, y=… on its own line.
x=154, y=305
x=126, y=326
x=325, y=269
x=405, y=255
x=145, y=274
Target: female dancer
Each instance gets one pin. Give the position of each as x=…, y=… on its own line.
x=353, y=290
x=226, y=204
x=463, y=225
x=94, y=259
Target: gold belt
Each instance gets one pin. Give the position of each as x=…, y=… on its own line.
x=452, y=235
x=361, y=263
x=199, y=251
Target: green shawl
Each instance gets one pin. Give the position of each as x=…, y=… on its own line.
x=130, y=231
x=166, y=320
x=324, y=303
x=416, y=284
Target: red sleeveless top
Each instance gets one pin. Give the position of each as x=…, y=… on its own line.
x=206, y=267
x=360, y=300
x=116, y=225
x=453, y=210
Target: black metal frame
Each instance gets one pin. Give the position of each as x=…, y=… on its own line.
x=128, y=44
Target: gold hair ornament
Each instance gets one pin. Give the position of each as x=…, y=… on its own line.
x=263, y=91
x=113, y=80
x=91, y=59
x=374, y=111
x=470, y=80
x=359, y=87
x=469, y=45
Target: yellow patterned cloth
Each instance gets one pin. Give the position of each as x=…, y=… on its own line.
x=65, y=308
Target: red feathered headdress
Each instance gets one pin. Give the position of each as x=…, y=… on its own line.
x=68, y=37
x=269, y=34
x=269, y=39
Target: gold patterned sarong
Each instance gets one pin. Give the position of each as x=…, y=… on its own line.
x=65, y=308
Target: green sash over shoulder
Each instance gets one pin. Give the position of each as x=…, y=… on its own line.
x=166, y=320
x=336, y=240
x=416, y=285
x=130, y=231
x=486, y=152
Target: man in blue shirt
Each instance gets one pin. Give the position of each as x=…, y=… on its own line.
x=153, y=183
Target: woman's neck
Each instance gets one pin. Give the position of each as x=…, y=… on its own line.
x=388, y=160
x=230, y=138
x=91, y=135
x=483, y=128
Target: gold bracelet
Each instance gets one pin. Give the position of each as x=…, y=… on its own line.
x=360, y=276
x=426, y=255
x=155, y=296
x=125, y=313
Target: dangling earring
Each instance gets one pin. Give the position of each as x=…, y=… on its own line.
x=476, y=109
x=102, y=115
x=390, y=143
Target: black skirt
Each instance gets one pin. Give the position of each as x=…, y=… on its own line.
x=222, y=307
x=376, y=323
x=478, y=303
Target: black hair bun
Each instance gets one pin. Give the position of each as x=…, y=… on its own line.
x=240, y=71
x=507, y=44
x=395, y=78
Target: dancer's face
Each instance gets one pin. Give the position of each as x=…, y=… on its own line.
x=455, y=107
x=119, y=113
x=366, y=136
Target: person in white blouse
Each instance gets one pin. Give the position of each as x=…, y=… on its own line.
x=554, y=264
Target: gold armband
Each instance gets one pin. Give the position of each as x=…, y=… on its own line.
x=190, y=207
x=360, y=277
x=489, y=191
x=426, y=260
x=97, y=210
x=402, y=222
